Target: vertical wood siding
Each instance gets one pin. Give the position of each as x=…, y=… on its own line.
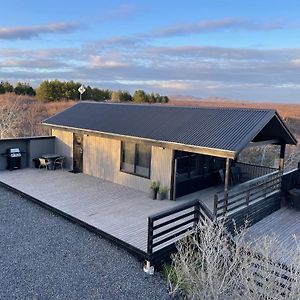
x=64, y=146
x=161, y=166
x=101, y=158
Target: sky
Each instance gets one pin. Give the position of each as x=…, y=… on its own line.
x=246, y=50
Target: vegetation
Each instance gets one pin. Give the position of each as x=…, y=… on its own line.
x=20, y=88
x=140, y=97
x=56, y=90
x=154, y=185
x=209, y=266
x=21, y=115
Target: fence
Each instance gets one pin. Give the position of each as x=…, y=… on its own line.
x=246, y=193
x=32, y=147
x=290, y=180
x=250, y=171
x=166, y=228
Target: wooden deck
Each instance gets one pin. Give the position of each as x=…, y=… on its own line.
x=284, y=224
x=115, y=210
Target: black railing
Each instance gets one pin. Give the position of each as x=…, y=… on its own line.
x=290, y=180
x=249, y=171
x=166, y=228
x=246, y=193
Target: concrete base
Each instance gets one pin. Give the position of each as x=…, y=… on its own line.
x=148, y=268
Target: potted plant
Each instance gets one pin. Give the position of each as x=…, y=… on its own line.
x=154, y=189
x=162, y=193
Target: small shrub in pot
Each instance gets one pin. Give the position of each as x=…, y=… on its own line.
x=154, y=189
x=162, y=193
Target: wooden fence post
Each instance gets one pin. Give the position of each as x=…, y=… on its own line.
x=298, y=183
x=197, y=214
x=215, y=205
x=225, y=203
x=150, y=236
x=248, y=197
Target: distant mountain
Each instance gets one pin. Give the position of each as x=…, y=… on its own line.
x=193, y=98
x=183, y=98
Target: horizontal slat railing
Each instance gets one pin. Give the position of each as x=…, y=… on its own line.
x=247, y=193
x=290, y=180
x=250, y=171
x=166, y=228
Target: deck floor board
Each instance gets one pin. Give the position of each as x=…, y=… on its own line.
x=115, y=209
x=284, y=224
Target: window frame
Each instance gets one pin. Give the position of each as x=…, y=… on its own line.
x=135, y=159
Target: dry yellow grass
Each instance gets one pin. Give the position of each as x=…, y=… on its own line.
x=285, y=110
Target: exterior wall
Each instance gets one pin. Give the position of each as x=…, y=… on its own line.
x=161, y=166
x=39, y=147
x=64, y=146
x=32, y=147
x=101, y=158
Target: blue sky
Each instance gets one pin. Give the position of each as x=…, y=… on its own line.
x=235, y=49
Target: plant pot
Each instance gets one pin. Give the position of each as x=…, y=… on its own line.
x=153, y=194
x=161, y=196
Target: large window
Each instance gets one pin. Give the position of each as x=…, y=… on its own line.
x=191, y=165
x=136, y=159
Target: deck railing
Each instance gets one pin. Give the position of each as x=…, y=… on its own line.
x=290, y=180
x=165, y=228
x=250, y=171
x=246, y=193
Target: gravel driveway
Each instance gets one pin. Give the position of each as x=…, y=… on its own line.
x=44, y=256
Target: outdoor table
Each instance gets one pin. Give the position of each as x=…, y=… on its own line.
x=51, y=158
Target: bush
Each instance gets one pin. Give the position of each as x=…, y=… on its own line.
x=209, y=266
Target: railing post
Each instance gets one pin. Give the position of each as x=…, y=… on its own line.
x=215, y=205
x=197, y=213
x=150, y=236
x=298, y=177
x=265, y=189
x=248, y=197
x=225, y=203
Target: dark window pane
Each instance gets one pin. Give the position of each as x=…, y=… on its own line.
x=143, y=160
x=128, y=157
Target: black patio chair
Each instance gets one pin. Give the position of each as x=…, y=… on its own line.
x=236, y=176
x=222, y=176
x=58, y=163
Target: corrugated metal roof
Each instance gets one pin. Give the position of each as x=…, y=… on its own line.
x=218, y=128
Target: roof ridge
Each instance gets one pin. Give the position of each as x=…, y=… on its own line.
x=233, y=108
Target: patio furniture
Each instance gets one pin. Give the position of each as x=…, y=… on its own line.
x=235, y=173
x=58, y=163
x=51, y=158
x=294, y=198
x=44, y=163
x=222, y=176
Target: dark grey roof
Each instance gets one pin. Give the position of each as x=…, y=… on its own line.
x=218, y=128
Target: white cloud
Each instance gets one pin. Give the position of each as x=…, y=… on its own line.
x=27, y=32
x=99, y=62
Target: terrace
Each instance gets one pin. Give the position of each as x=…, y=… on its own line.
x=148, y=228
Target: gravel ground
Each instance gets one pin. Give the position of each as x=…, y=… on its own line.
x=44, y=256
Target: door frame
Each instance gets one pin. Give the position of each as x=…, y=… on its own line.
x=76, y=145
